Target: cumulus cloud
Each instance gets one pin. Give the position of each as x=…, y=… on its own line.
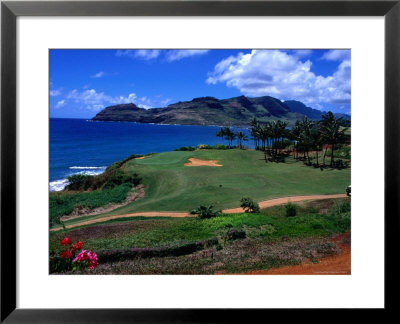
x=142, y=54
x=336, y=55
x=282, y=75
x=176, y=55
x=95, y=101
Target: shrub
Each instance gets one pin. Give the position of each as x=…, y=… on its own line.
x=136, y=180
x=117, y=178
x=235, y=234
x=185, y=148
x=291, y=209
x=71, y=259
x=205, y=212
x=79, y=182
x=340, y=164
x=203, y=147
x=177, y=249
x=219, y=147
x=340, y=207
x=64, y=203
x=249, y=205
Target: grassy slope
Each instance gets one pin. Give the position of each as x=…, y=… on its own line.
x=171, y=186
x=270, y=223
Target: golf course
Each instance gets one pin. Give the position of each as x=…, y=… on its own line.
x=172, y=186
x=156, y=233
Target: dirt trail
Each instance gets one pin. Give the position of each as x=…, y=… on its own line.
x=333, y=265
x=263, y=204
x=284, y=200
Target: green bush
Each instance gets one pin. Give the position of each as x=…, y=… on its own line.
x=220, y=147
x=185, y=148
x=205, y=212
x=61, y=203
x=79, y=182
x=235, y=234
x=136, y=180
x=249, y=205
x=176, y=249
x=340, y=215
x=291, y=209
x=117, y=178
x=59, y=265
x=204, y=147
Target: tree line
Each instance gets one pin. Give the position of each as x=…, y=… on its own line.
x=277, y=141
x=227, y=134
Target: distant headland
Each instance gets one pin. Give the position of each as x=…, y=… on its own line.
x=237, y=111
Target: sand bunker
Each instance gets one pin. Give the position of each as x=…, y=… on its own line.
x=142, y=157
x=197, y=162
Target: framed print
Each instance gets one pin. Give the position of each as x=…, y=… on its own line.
x=158, y=153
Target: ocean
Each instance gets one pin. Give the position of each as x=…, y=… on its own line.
x=80, y=146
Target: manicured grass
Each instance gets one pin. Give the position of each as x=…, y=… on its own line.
x=171, y=186
x=160, y=232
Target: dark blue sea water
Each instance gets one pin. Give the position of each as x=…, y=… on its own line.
x=87, y=147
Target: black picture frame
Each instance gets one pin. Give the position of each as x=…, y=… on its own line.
x=10, y=10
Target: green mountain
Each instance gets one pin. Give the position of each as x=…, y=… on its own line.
x=237, y=111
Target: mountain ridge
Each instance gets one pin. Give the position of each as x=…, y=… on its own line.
x=236, y=111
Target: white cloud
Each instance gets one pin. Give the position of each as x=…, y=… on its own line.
x=170, y=55
x=55, y=93
x=60, y=104
x=176, y=55
x=282, y=75
x=98, y=75
x=96, y=101
x=142, y=54
x=336, y=55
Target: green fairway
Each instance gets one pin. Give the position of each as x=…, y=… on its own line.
x=172, y=186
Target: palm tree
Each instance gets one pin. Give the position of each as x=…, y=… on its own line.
x=332, y=131
x=241, y=137
x=229, y=135
x=316, y=139
x=295, y=137
x=255, y=132
x=221, y=133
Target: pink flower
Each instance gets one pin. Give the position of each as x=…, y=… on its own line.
x=89, y=256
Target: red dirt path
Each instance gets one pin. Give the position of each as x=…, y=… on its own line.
x=333, y=265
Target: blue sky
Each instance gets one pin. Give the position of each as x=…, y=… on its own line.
x=83, y=82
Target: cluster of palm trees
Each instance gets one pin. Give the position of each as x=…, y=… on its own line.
x=305, y=137
x=270, y=137
x=230, y=136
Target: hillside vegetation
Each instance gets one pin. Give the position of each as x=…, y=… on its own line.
x=235, y=111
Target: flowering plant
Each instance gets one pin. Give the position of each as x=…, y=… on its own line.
x=69, y=260
x=86, y=259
